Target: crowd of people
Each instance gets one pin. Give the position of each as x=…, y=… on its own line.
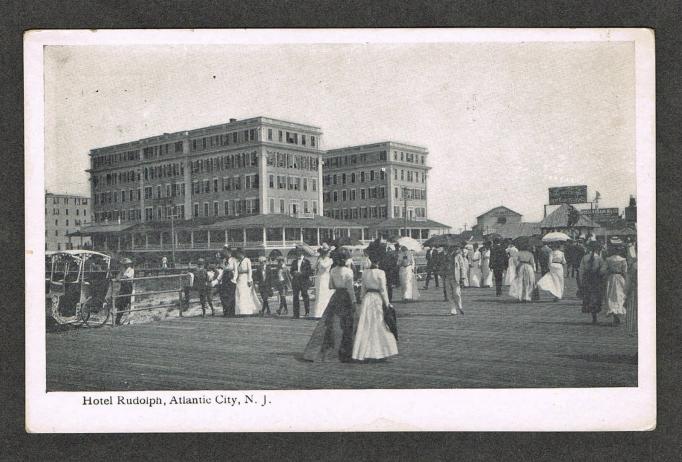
x=355, y=310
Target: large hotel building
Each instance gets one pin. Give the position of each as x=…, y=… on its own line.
x=256, y=183
x=65, y=214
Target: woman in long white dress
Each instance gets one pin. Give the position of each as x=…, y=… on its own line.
x=373, y=339
x=513, y=252
x=523, y=283
x=475, y=268
x=553, y=280
x=486, y=273
x=245, y=298
x=322, y=291
x=408, y=276
x=616, y=271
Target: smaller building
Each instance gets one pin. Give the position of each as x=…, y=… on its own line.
x=492, y=220
x=560, y=220
x=631, y=211
x=64, y=215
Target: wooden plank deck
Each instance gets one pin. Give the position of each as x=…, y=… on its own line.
x=497, y=344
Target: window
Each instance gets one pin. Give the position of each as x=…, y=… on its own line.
x=314, y=184
x=343, y=178
x=56, y=222
x=334, y=178
x=272, y=206
x=215, y=184
x=362, y=177
x=362, y=194
x=196, y=210
x=215, y=209
x=297, y=184
x=335, y=196
x=305, y=207
x=312, y=141
x=271, y=180
x=281, y=201
x=281, y=182
x=206, y=209
x=237, y=183
x=269, y=134
x=352, y=194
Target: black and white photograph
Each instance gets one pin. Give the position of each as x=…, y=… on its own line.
x=315, y=230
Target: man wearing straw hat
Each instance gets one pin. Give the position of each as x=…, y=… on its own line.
x=125, y=289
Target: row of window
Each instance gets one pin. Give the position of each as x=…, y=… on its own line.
x=376, y=192
x=291, y=138
x=234, y=207
x=409, y=157
x=354, y=159
x=353, y=177
x=409, y=193
x=76, y=222
x=410, y=175
x=292, y=183
x=288, y=160
x=355, y=213
x=231, y=183
x=112, y=159
x=417, y=212
x=292, y=207
x=154, y=152
x=226, y=162
x=56, y=211
x=66, y=200
x=226, y=139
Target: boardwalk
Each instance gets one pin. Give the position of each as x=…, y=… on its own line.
x=496, y=344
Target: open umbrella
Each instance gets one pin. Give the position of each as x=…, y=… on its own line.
x=555, y=237
x=444, y=240
x=410, y=243
x=345, y=240
x=306, y=250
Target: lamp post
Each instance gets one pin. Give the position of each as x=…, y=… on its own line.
x=168, y=202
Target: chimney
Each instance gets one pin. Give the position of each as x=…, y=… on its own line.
x=233, y=120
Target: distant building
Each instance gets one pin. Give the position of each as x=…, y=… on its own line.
x=65, y=214
x=490, y=221
x=372, y=182
x=246, y=167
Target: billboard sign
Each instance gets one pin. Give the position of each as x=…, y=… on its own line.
x=602, y=216
x=568, y=195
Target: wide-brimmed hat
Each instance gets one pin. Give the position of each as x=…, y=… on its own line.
x=126, y=261
x=201, y=260
x=262, y=259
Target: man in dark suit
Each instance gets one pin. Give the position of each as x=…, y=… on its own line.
x=498, y=263
x=389, y=265
x=300, y=283
x=227, y=288
x=432, y=257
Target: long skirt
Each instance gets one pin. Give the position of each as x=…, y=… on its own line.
x=454, y=295
x=475, y=275
x=332, y=339
x=631, y=310
x=465, y=273
x=523, y=283
x=486, y=274
x=591, y=290
x=322, y=294
x=553, y=280
x=510, y=275
x=408, y=283
x=245, y=298
x=373, y=340
x=615, y=294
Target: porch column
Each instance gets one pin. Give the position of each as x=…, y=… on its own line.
x=318, y=235
x=283, y=237
x=265, y=241
x=208, y=239
x=132, y=241
x=161, y=240
x=191, y=239
x=146, y=240
x=118, y=243
x=301, y=235
x=244, y=238
x=362, y=234
x=225, y=235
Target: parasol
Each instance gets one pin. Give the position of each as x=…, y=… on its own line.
x=410, y=243
x=306, y=250
x=443, y=240
x=345, y=241
x=555, y=237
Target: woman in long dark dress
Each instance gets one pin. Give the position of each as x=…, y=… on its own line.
x=332, y=339
x=592, y=270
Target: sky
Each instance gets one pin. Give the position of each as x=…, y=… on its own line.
x=502, y=122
